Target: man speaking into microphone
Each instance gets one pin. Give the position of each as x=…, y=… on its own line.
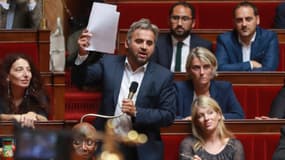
x=153, y=104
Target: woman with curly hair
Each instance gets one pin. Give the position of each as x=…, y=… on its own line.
x=22, y=96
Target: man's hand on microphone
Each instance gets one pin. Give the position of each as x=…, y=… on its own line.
x=129, y=107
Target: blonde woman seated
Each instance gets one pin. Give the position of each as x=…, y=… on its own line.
x=210, y=138
x=201, y=67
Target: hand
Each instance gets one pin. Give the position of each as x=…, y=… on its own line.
x=256, y=64
x=189, y=118
x=83, y=41
x=28, y=119
x=128, y=107
x=264, y=118
x=195, y=157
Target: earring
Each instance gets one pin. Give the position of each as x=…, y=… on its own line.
x=8, y=90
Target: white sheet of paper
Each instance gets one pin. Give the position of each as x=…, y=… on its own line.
x=103, y=24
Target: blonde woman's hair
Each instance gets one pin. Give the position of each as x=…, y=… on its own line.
x=207, y=102
x=204, y=55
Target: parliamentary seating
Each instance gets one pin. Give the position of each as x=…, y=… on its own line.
x=215, y=14
x=256, y=146
x=259, y=138
x=211, y=35
x=254, y=90
x=206, y=27
x=36, y=45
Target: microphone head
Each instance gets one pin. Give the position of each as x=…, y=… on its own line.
x=133, y=87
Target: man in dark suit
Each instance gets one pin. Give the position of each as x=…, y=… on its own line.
x=181, y=20
x=248, y=47
x=152, y=107
x=279, y=153
x=279, y=21
x=20, y=14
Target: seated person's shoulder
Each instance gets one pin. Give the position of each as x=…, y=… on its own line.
x=221, y=83
x=189, y=140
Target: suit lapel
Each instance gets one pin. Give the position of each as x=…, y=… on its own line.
x=237, y=48
x=169, y=50
x=118, y=76
x=146, y=85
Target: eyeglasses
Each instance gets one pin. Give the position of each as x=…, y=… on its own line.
x=88, y=142
x=183, y=18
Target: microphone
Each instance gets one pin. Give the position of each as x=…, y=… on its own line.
x=133, y=89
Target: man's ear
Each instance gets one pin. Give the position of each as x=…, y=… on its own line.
x=126, y=44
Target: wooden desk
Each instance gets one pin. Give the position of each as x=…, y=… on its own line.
x=246, y=78
x=7, y=127
x=178, y=127
x=245, y=126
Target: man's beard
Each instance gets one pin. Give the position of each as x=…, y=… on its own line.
x=181, y=35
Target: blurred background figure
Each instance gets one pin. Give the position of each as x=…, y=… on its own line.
x=22, y=96
x=279, y=153
x=20, y=14
x=211, y=139
x=84, y=141
x=279, y=21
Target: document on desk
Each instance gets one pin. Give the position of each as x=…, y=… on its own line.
x=103, y=24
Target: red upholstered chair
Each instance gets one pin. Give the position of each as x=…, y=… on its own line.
x=78, y=102
x=30, y=49
x=256, y=100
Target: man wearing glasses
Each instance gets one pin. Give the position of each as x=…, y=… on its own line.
x=173, y=48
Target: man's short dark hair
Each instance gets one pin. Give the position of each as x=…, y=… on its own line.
x=246, y=4
x=185, y=4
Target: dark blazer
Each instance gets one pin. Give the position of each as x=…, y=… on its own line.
x=221, y=91
x=23, y=18
x=279, y=153
x=155, y=102
x=164, y=49
x=265, y=50
x=277, y=109
x=279, y=20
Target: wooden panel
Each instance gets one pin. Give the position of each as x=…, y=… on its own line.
x=178, y=127
x=7, y=127
x=246, y=78
x=246, y=126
